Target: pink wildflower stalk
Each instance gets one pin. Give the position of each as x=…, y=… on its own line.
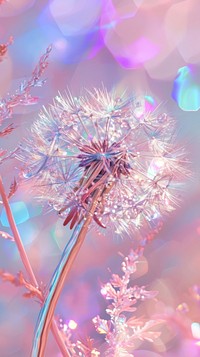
x=21, y=97
x=27, y=265
x=23, y=94
x=16, y=236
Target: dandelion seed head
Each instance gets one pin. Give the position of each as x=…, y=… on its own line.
x=108, y=141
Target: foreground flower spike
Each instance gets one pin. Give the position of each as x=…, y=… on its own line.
x=124, y=329
x=104, y=160
x=81, y=348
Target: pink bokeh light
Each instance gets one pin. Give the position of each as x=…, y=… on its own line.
x=137, y=53
x=13, y=8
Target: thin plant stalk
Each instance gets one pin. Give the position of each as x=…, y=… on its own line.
x=58, y=279
x=27, y=265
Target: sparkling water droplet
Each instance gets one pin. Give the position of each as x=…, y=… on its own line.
x=27, y=174
x=139, y=107
x=155, y=167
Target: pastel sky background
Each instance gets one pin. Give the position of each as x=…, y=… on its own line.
x=148, y=47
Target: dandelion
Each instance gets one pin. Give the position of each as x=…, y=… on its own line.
x=101, y=160
x=82, y=144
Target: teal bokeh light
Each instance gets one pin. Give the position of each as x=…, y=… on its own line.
x=186, y=88
x=150, y=103
x=19, y=211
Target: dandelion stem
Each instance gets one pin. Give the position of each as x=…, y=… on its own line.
x=58, y=279
x=27, y=265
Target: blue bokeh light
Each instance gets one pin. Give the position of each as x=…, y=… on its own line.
x=19, y=211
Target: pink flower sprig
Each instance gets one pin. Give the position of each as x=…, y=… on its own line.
x=21, y=97
x=77, y=348
x=4, y=46
x=123, y=329
x=5, y=235
x=19, y=280
x=23, y=94
x=84, y=348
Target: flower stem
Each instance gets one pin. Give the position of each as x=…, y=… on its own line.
x=64, y=266
x=27, y=264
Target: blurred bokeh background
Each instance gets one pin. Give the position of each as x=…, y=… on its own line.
x=147, y=47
